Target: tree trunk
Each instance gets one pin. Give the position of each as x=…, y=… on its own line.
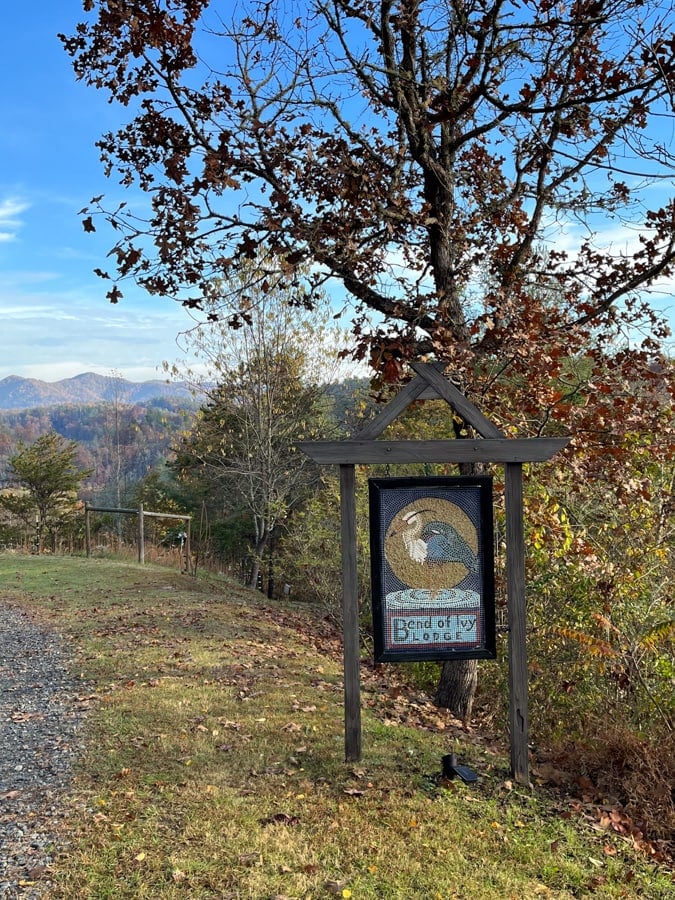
x=459, y=678
x=457, y=687
x=270, y=573
x=254, y=572
x=258, y=554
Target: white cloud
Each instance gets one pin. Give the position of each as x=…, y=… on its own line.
x=620, y=240
x=52, y=332
x=10, y=221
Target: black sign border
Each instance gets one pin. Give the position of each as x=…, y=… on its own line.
x=376, y=488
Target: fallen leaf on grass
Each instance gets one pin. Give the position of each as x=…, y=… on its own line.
x=226, y=723
x=280, y=819
x=36, y=873
x=353, y=792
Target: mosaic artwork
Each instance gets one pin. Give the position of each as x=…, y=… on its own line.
x=432, y=568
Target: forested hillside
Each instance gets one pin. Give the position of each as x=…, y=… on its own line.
x=120, y=442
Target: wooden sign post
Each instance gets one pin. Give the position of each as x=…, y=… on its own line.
x=492, y=447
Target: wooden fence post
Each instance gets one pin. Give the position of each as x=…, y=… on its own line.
x=141, y=535
x=350, y=615
x=87, y=530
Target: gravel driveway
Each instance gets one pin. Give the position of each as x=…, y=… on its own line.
x=40, y=715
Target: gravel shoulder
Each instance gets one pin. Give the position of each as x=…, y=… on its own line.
x=41, y=713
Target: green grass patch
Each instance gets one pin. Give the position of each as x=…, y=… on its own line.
x=215, y=762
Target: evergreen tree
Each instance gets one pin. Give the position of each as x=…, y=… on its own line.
x=49, y=477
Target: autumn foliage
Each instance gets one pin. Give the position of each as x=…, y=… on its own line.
x=486, y=182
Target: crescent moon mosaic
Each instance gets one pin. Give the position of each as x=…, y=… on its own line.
x=432, y=544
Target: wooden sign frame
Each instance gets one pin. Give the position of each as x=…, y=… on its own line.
x=432, y=568
x=492, y=447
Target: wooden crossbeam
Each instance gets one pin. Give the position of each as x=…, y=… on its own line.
x=495, y=450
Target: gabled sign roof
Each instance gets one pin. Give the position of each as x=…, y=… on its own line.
x=429, y=383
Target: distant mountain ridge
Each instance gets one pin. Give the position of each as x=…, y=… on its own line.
x=28, y=393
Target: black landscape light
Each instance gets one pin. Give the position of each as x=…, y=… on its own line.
x=452, y=770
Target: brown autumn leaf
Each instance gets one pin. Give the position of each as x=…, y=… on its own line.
x=291, y=727
x=280, y=819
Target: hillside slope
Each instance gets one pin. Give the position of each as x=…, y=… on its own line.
x=215, y=768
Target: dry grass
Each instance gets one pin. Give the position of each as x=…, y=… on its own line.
x=215, y=763
x=639, y=774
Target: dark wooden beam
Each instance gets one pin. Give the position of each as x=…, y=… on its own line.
x=447, y=391
x=515, y=585
x=350, y=615
x=389, y=413
x=497, y=450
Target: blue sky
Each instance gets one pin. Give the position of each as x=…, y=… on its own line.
x=54, y=317
x=56, y=321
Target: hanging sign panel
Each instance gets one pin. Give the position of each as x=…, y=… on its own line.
x=432, y=560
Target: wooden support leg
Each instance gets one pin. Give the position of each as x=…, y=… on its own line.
x=350, y=615
x=515, y=575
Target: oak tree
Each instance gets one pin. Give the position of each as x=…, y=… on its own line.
x=441, y=161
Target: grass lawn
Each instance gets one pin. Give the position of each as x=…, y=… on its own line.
x=216, y=767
